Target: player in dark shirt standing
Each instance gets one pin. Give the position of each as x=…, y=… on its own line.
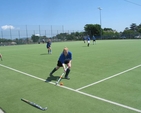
x=88, y=40
x=49, y=46
x=94, y=39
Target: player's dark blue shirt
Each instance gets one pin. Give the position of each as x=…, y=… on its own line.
x=88, y=38
x=94, y=38
x=62, y=57
x=48, y=44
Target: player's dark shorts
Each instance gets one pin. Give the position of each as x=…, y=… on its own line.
x=48, y=46
x=65, y=62
x=93, y=40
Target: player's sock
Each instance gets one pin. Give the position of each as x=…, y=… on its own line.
x=67, y=73
x=53, y=71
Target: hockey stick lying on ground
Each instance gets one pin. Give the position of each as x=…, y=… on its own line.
x=34, y=105
x=60, y=77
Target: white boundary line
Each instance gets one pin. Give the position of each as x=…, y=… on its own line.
x=108, y=77
x=86, y=94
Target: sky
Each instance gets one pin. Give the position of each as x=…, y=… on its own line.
x=71, y=14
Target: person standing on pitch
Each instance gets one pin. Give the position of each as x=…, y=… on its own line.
x=64, y=59
x=49, y=46
x=84, y=39
x=1, y=56
x=94, y=39
x=88, y=40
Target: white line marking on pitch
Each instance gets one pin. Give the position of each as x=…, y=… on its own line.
x=80, y=92
x=108, y=78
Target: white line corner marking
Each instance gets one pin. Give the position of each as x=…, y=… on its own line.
x=108, y=78
x=80, y=92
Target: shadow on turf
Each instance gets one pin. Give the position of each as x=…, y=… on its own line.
x=52, y=78
x=85, y=46
x=44, y=54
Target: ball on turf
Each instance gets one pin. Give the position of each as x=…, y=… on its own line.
x=61, y=83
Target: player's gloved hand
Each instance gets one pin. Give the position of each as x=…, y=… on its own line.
x=64, y=67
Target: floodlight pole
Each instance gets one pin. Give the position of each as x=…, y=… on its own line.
x=100, y=23
x=26, y=31
x=51, y=32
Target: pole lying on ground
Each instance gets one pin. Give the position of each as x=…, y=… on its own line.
x=34, y=104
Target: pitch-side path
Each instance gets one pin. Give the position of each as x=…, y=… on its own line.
x=80, y=92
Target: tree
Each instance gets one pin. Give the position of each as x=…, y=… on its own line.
x=139, y=30
x=109, y=33
x=126, y=28
x=35, y=38
x=133, y=31
x=108, y=29
x=92, y=29
x=128, y=33
x=133, y=26
x=61, y=36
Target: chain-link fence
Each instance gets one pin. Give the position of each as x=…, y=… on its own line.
x=26, y=31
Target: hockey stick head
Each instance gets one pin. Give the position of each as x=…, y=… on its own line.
x=44, y=108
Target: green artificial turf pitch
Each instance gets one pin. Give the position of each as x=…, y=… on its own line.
x=106, y=58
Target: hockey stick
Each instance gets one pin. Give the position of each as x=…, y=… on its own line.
x=33, y=104
x=60, y=78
